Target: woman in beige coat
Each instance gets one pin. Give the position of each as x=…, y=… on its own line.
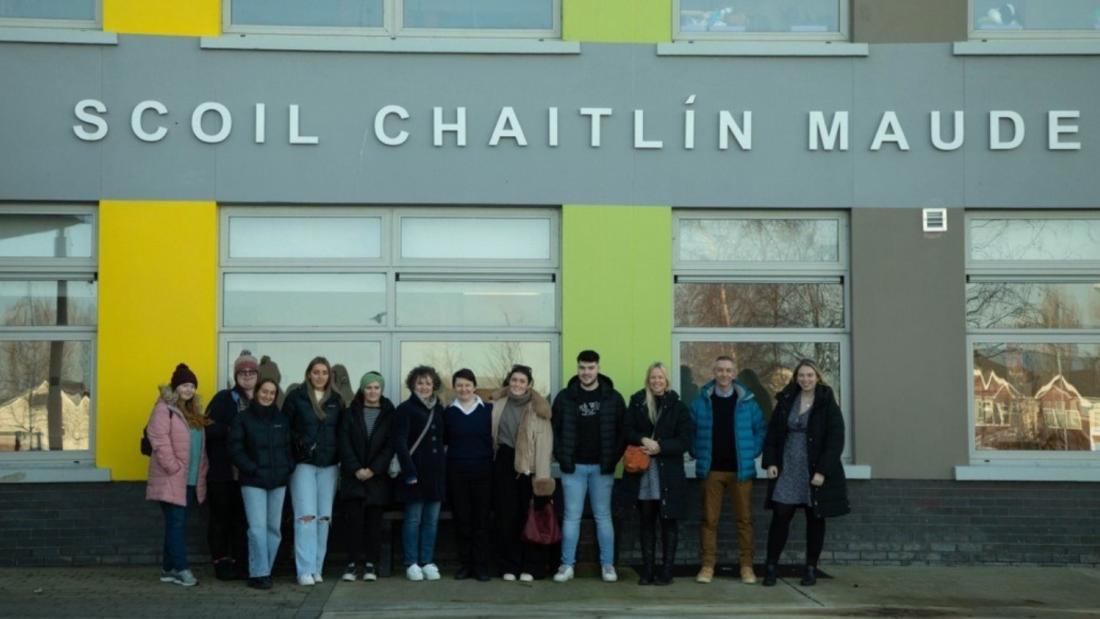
x=523, y=440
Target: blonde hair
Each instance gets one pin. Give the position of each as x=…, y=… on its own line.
x=807, y=363
x=650, y=399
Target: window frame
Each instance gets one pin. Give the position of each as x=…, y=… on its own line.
x=1024, y=271
x=393, y=267
x=771, y=272
x=1024, y=34
x=843, y=34
x=70, y=269
x=95, y=23
x=393, y=26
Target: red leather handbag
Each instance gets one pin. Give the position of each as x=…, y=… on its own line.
x=542, y=525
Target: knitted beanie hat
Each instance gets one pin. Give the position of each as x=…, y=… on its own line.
x=183, y=375
x=372, y=377
x=246, y=361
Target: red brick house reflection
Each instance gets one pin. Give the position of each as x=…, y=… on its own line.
x=1056, y=418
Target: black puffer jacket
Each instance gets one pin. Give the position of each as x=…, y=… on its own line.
x=360, y=449
x=824, y=446
x=314, y=438
x=259, y=443
x=223, y=408
x=675, y=433
x=565, y=419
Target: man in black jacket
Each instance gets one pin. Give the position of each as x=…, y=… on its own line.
x=587, y=416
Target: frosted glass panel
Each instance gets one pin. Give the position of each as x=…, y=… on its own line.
x=475, y=238
x=480, y=14
x=48, y=9
x=315, y=13
x=24, y=235
x=305, y=237
x=304, y=299
x=475, y=304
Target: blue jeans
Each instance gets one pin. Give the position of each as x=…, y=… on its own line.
x=587, y=480
x=418, y=532
x=312, y=489
x=175, y=526
x=264, y=509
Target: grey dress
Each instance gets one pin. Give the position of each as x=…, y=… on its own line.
x=793, y=485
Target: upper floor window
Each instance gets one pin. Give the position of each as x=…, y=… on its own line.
x=50, y=13
x=498, y=18
x=813, y=20
x=1034, y=18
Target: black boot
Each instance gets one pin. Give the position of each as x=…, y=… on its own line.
x=648, y=539
x=809, y=577
x=769, y=575
x=670, y=535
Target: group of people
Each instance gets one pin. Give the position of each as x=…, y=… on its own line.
x=491, y=459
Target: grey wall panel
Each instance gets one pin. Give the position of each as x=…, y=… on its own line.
x=908, y=21
x=923, y=175
x=339, y=94
x=37, y=158
x=908, y=344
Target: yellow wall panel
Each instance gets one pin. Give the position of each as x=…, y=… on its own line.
x=158, y=270
x=193, y=18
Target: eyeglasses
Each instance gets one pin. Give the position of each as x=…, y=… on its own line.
x=247, y=373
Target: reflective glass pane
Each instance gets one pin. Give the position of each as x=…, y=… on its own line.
x=314, y=13
x=305, y=237
x=24, y=235
x=759, y=305
x=45, y=395
x=760, y=240
x=490, y=361
x=1036, y=397
x=287, y=361
x=48, y=9
x=1034, y=239
x=304, y=299
x=47, y=303
x=759, y=16
x=994, y=15
x=1032, y=305
x=480, y=14
x=475, y=304
x=479, y=238
x=764, y=367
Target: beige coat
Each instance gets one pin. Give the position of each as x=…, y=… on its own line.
x=534, y=440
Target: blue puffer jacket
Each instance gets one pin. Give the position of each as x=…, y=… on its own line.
x=748, y=431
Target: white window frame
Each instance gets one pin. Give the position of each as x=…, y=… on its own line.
x=76, y=24
x=842, y=35
x=770, y=272
x=1025, y=271
x=393, y=267
x=392, y=26
x=1024, y=34
x=72, y=269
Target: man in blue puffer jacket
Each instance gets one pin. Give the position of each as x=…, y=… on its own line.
x=729, y=437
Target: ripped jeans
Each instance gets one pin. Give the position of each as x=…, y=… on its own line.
x=312, y=489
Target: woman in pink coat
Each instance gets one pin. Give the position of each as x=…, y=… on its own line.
x=177, y=467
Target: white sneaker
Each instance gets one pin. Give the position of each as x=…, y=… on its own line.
x=369, y=574
x=306, y=580
x=414, y=573
x=525, y=577
x=509, y=577
x=317, y=579
x=431, y=572
x=608, y=574
x=565, y=573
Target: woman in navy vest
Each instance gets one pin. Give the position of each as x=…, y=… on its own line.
x=468, y=435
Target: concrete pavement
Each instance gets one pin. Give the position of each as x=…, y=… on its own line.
x=852, y=592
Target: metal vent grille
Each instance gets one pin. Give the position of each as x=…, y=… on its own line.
x=935, y=220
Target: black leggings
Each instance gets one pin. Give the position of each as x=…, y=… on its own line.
x=649, y=512
x=782, y=514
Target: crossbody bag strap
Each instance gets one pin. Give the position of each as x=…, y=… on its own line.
x=427, y=425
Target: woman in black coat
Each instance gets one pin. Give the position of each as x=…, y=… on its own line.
x=418, y=442
x=260, y=446
x=802, y=456
x=658, y=422
x=366, y=447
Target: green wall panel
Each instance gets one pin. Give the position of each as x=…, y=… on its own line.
x=617, y=21
x=617, y=289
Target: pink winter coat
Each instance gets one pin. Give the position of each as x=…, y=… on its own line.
x=171, y=440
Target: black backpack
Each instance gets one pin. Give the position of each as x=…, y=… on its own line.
x=146, y=446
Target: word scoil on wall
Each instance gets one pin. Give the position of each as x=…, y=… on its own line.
x=212, y=122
